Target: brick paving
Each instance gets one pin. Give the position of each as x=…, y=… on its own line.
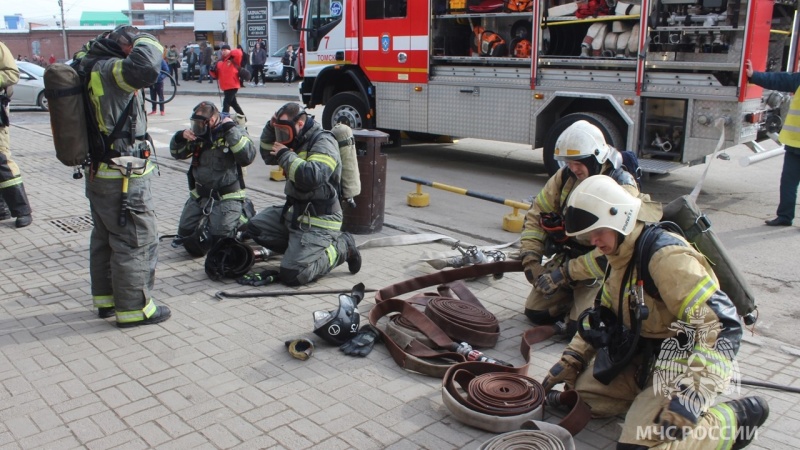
x=217, y=374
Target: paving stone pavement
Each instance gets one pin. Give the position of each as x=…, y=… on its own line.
x=217, y=375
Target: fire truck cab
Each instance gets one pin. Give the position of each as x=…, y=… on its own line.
x=663, y=78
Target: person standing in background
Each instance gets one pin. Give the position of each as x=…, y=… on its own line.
x=13, y=199
x=205, y=62
x=174, y=63
x=226, y=71
x=157, y=90
x=288, y=60
x=789, y=137
x=257, y=61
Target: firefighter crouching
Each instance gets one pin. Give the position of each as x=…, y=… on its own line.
x=660, y=343
x=567, y=284
x=306, y=229
x=219, y=148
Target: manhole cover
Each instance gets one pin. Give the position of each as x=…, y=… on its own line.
x=72, y=225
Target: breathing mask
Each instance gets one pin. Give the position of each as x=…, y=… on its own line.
x=285, y=131
x=201, y=116
x=198, y=125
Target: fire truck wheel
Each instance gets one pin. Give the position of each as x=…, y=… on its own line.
x=347, y=108
x=609, y=129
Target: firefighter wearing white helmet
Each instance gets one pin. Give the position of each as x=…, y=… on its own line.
x=566, y=285
x=629, y=356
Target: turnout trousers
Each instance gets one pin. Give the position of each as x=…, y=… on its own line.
x=715, y=429
x=309, y=252
x=122, y=258
x=12, y=191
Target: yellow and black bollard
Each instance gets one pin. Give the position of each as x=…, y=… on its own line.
x=511, y=222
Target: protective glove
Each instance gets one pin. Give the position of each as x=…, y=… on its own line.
x=262, y=278
x=675, y=418
x=565, y=371
x=361, y=344
x=533, y=271
x=549, y=283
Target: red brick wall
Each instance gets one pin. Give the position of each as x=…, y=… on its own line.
x=50, y=41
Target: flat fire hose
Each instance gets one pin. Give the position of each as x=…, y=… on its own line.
x=410, y=353
x=464, y=319
x=534, y=435
x=499, y=398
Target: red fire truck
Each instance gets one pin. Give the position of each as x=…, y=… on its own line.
x=654, y=76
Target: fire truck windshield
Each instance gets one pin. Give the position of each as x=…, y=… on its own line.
x=323, y=16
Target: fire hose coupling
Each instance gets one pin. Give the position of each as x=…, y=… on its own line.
x=475, y=355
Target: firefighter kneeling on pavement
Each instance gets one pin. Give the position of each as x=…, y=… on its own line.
x=567, y=284
x=219, y=148
x=659, y=344
x=307, y=228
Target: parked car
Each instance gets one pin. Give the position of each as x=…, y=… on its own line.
x=274, y=67
x=185, y=67
x=30, y=89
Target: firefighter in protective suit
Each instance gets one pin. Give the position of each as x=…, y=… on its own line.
x=219, y=148
x=664, y=360
x=13, y=199
x=124, y=243
x=567, y=285
x=307, y=228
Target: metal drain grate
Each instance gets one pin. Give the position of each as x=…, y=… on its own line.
x=72, y=225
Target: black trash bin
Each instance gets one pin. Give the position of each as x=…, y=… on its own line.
x=367, y=216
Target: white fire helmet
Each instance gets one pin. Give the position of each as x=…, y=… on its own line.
x=581, y=140
x=599, y=202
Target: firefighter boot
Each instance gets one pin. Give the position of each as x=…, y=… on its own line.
x=353, y=256
x=751, y=412
x=5, y=214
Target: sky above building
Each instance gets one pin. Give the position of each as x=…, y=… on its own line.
x=45, y=10
x=48, y=11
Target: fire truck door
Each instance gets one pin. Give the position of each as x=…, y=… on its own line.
x=394, y=40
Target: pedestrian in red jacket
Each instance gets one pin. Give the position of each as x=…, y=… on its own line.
x=226, y=72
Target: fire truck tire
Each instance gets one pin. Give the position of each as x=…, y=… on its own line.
x=606, y=125
x=347, y=108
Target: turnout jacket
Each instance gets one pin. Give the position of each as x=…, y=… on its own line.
x=9, y=72
x=689, y=292
x=313, y=170
x=218, y=157
x=115, y=79
x=553, y=199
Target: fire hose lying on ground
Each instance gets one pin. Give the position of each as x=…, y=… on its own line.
x=478, y=390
